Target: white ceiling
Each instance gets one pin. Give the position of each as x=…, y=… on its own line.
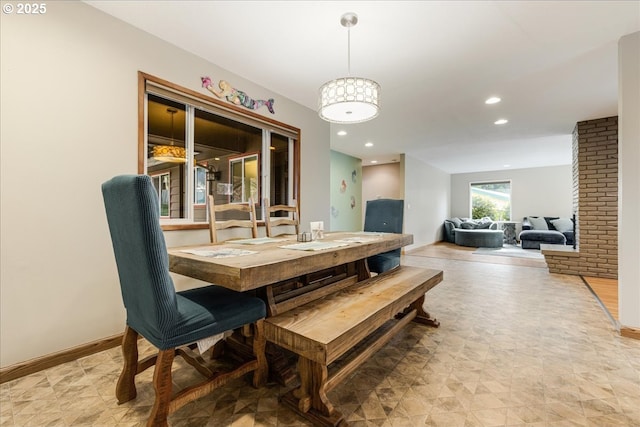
x=553, y=63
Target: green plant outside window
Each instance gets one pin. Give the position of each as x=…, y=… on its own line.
x=491, y=199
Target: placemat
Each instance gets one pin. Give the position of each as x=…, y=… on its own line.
x=219, y=253
x=314, y=246
x=256, y=241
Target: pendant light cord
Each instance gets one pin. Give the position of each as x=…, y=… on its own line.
x=172, y=111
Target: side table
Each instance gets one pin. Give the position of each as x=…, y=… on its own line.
x=509, y=229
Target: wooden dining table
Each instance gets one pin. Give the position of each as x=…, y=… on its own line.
x=286, y=273
x=282, y=270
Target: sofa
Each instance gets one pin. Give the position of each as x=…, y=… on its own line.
x=546, y=230
x=474, y=233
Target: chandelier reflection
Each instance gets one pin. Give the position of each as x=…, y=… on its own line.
x=170, y=153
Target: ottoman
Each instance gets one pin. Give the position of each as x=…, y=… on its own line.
x=531, y=239
x=483, y=238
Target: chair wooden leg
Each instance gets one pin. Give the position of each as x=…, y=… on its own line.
x=259, y=345
x=163, y=386
x=126, y=387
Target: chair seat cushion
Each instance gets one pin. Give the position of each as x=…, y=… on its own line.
x=384, y=262
x=207, y=311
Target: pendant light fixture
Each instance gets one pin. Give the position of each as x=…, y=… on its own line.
x=349, y=99
x=170, y=153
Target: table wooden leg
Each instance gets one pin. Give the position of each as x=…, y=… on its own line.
x=362, y=269
x=282, y=368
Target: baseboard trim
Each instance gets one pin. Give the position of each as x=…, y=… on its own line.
x=40, y=363
x=628, y=332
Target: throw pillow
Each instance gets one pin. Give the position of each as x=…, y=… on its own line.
x=468, y=225
x=549, y=220
x=563, y=224
x=483, y=225
x=456, y=222
x=538, y=223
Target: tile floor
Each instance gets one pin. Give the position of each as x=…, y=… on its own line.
x=517, y=347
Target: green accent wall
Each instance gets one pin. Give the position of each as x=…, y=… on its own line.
x=346, y=192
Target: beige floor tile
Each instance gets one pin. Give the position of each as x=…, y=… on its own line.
x=517, y=346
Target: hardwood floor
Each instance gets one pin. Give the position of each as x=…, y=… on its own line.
x=463, y=253
x=607, y=292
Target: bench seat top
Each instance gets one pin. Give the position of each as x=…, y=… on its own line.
x=325, y=329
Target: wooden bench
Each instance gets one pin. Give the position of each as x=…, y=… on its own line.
x=320, y=332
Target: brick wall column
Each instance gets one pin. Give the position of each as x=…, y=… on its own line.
x=595, y=192
x=595, y=202
x=598, y=196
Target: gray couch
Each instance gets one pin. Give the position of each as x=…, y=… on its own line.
x=471, y=232
x=546, y=230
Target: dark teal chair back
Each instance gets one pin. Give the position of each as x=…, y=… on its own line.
x=154, y=309
x=385, y=216
x=148, y=292
x=172, y=321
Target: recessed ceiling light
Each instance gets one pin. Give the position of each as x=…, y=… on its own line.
x=506, y=166
x=501, y=121
x=374, y=161
x=369, y=144
x=492, y=100
x=342, y=132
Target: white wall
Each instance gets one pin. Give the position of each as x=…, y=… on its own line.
x=69, y=123
x=427, y=196
x=381, y=182
x=629, y=180
x=544, y=191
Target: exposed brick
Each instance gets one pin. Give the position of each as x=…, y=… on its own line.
x=595, y=200
x=596, y=138
x=584, y=126
x=610, y=152
x=610, y=131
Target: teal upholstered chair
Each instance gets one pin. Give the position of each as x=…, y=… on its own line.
x=384, y=215
x=171, y=321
